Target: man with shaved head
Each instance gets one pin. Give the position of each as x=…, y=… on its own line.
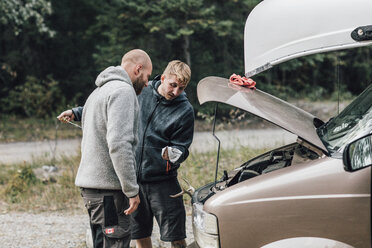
x=106, y=173
x=141, y=60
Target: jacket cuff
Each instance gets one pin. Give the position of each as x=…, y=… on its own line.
x=78, y=111
x=133, y=196
x=184, y=155
x=132, y=193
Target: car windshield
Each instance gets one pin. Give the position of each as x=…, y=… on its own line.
x=350, y=124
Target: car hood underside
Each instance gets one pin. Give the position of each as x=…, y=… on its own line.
x=261, y=104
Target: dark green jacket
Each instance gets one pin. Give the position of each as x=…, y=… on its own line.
x=162, y=123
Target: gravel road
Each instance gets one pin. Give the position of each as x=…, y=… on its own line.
x=203, y=141
x=57, y=230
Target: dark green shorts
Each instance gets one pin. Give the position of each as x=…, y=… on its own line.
x=169, y=212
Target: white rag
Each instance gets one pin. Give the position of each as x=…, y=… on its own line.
x=173, y=153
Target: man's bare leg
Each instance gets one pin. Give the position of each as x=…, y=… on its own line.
x=144, y=243
x=179, y=244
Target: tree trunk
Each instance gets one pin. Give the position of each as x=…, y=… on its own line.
x=186, y=47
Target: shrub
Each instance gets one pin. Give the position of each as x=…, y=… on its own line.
x=20, y=182
x=36, y=98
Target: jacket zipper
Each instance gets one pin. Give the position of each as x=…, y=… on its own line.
x=143, y=140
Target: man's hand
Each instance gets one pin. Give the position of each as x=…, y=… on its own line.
x=133, y=205
x=66, y=116
x=165, y=154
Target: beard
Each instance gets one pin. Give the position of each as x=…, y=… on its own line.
x=138, y=85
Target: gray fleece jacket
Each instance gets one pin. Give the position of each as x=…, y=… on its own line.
x=110, y=123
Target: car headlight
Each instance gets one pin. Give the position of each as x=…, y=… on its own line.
x=205, y=227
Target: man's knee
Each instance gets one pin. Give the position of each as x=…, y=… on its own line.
x=179, y=244
x=144, y=242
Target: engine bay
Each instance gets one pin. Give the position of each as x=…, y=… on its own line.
x=271, y=161
x=268, y=162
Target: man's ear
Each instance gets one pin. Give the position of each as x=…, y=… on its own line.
x=162, y=78
x=137, y=69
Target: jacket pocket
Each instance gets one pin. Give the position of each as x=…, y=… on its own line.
x=119, y=231
x=117, y=224
x=95, y=208
x=116, y=237
x=116, y=232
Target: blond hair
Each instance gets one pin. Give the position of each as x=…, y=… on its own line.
x=180, y=70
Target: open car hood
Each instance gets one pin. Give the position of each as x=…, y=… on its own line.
x=261, y=104
x=280, y=30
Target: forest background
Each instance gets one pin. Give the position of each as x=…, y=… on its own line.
x=52, y=50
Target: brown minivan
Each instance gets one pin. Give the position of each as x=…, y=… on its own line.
x=314, y=193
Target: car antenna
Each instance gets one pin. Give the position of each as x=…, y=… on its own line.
x=219, y=143
x=338, y=82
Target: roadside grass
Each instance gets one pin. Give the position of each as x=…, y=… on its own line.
x=23, y=189
x=13, y=129
x=27, y=187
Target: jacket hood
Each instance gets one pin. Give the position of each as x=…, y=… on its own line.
x=113, y=73
x=154, y=84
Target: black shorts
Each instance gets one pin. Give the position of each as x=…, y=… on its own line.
x=169, y=212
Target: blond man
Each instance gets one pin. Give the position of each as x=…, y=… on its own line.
x=166, y=133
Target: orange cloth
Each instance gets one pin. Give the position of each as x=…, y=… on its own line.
x=242, y=81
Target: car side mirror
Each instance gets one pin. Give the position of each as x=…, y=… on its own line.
x=358, y=154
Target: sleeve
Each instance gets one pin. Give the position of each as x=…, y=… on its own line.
x=181, y=139
x=122, y=126
x=78, y=113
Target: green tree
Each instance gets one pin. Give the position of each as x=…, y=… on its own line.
x=22, y=26
x=208, y=35
x=70, y=53
x=16, y=14
x=30, y=49
x=69, y=42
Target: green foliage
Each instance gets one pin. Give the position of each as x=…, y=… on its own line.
x=20, y=181
x=4, y=175
x=37, y=98
x=17, y=14
x=70, y=42
x=23, y=190
x=342, y=94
